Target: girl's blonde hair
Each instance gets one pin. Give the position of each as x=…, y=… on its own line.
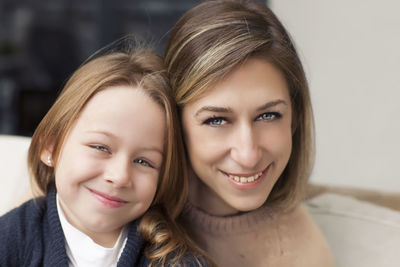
x=211, y=40
x=139, y=68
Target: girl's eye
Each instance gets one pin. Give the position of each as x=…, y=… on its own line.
x=101, y=148
x=215, y=121
x=143, y=162
x=270, y=116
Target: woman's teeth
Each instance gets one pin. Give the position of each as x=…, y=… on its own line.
x=243, y=179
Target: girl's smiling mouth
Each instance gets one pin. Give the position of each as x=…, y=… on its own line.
x=107, y=200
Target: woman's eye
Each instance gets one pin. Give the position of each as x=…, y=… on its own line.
x=270, y=116
x=101, y=148
x=215, y=121
x=143, y=162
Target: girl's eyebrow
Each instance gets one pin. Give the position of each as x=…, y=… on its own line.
x=106, y=133
x=229, y=110
x=109, y=134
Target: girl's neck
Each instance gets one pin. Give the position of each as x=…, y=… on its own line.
x=104, y=239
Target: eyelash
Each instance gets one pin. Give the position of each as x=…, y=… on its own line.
x=144, y=163
x=105, y=149
x=222, y=120
x=101, y=148
x=211, y=121
x=274, y=115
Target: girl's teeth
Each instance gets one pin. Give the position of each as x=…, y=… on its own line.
x=245, y=179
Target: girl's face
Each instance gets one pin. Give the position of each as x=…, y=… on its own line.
x=238, y=138
x=108, y=168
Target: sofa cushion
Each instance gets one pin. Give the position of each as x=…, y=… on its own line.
x=14, y=179
x=360, y=233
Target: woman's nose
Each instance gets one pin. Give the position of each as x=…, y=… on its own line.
x=118, y=172
x=245, y=148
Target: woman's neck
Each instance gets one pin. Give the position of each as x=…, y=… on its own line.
x=204, y=198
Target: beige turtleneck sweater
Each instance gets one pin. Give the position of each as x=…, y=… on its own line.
x=259, y=238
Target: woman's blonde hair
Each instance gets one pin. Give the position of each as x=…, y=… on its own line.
x=139, y=68
x=211, y=40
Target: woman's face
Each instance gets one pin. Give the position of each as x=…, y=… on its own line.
x=238, y=138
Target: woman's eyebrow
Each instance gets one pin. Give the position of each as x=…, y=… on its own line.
x=272, y=104
x=229, y=110
x=213, y=109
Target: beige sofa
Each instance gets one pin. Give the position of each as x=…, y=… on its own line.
x=361, y=234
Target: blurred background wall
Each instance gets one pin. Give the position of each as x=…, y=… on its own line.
x=351, y=52
x=43, y=42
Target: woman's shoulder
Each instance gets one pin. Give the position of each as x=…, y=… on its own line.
x=299, y=227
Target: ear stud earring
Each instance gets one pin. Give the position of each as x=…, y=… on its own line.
x=49, y=160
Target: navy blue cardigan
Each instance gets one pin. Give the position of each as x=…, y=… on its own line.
x=31, y=235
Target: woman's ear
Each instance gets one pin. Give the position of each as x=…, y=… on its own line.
x=46, y=156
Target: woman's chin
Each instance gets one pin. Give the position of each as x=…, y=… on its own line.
x=247, y=205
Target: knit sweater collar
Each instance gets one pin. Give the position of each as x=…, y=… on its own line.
x=58, y=257
x=222, y=225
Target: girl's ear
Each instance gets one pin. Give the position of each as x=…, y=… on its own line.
x=46, y=156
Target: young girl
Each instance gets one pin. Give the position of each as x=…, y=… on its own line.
x=108, y=150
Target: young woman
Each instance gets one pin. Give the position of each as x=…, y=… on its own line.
x=248, y=127
x=107, y=151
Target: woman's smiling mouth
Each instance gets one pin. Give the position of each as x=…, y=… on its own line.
x=246, y=181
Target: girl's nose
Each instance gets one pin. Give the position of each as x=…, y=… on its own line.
x=118, y=172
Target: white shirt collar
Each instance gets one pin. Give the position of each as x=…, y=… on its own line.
x=83, y=251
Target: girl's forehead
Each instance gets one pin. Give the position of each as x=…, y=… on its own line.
x=123, y=111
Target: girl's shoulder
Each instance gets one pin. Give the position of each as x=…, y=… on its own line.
x=18, y=230
x=133, y=253
x=23, y=216
x=195, y=261
x=191, y=260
